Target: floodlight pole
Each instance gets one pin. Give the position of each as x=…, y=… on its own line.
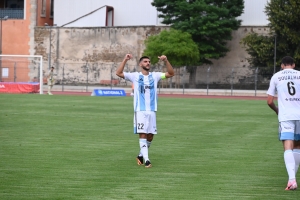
x=1, y=19
x=49, y=54
x=50, y=39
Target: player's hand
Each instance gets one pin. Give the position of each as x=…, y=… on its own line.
x=163, y=58
x=128, y=57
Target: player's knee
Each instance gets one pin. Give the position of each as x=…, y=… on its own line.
x=150, y=137
x=296, y=144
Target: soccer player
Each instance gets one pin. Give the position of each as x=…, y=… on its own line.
x=50, y=80
x=145, y=101
x=287, y=84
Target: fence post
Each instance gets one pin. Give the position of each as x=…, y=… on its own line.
x=232, y=80
x=38, y=76
x=112, y=65
x=15, y=71
x=207, y=80
x=182, y=79
x=255, y=79
x=87, y=77
x=63, y=78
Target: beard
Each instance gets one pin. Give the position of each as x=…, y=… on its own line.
x=146, y=68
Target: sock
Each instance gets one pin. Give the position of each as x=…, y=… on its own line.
x=290, y=164
x=296, y=153
x=49, y=88
x=148, y=144
x=144, y=149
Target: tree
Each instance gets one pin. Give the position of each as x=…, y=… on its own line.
x=261, y=51
x=178, y=46
x=210, y=22
x=284, y=17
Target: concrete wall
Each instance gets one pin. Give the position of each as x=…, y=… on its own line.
x=73, y=50
x=234, y=63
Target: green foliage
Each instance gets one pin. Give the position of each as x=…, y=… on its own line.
x=284, y=17
x=210, y=22
x=261, y=52
x=178, y=46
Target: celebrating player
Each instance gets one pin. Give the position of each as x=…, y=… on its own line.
x=145, y=101
x=287, y=84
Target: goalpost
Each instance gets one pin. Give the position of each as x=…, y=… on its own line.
x=21, y=69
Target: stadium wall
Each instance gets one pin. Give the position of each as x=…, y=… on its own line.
x=108, y=45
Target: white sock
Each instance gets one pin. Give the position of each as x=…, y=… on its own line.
x=49, y=89
x=296, y=153
x=148, y=144
x=290, y=164
x=144, y=149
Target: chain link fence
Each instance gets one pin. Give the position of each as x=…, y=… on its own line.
x=208, y=78
x=86, y=76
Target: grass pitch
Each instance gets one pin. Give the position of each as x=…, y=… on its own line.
x=81, y=147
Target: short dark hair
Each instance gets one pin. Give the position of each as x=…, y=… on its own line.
x=143, y=57
x=287, y=60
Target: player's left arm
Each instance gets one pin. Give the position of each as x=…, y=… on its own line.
x=170, y=70
x=271, y=104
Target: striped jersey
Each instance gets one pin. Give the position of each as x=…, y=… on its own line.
x=145, y=90
x=287, y=84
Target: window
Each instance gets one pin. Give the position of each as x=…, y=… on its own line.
x=43, y=7
x=51, y=8
x=4, y=72
x=14, y=9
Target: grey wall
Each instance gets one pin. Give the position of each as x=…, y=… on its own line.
x=73, y=48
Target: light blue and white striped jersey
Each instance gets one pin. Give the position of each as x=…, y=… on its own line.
x=145, y=90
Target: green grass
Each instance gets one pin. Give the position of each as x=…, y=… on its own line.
x=81, y=147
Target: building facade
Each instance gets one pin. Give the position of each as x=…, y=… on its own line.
x=18, y=21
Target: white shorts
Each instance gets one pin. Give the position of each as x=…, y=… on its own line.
x=144, y=122
x=50, y=81
x=289, y=130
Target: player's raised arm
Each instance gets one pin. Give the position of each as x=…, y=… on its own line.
x=170, y=70
x=120, y=69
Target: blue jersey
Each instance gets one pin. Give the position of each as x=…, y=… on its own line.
x=145, y=90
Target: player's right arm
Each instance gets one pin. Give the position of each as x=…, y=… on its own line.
x=120, y=69
x=271, y=93
x=271, y=103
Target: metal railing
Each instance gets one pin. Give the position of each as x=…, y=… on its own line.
x=97, y=74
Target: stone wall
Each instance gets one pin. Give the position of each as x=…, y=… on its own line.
x=100, y=50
